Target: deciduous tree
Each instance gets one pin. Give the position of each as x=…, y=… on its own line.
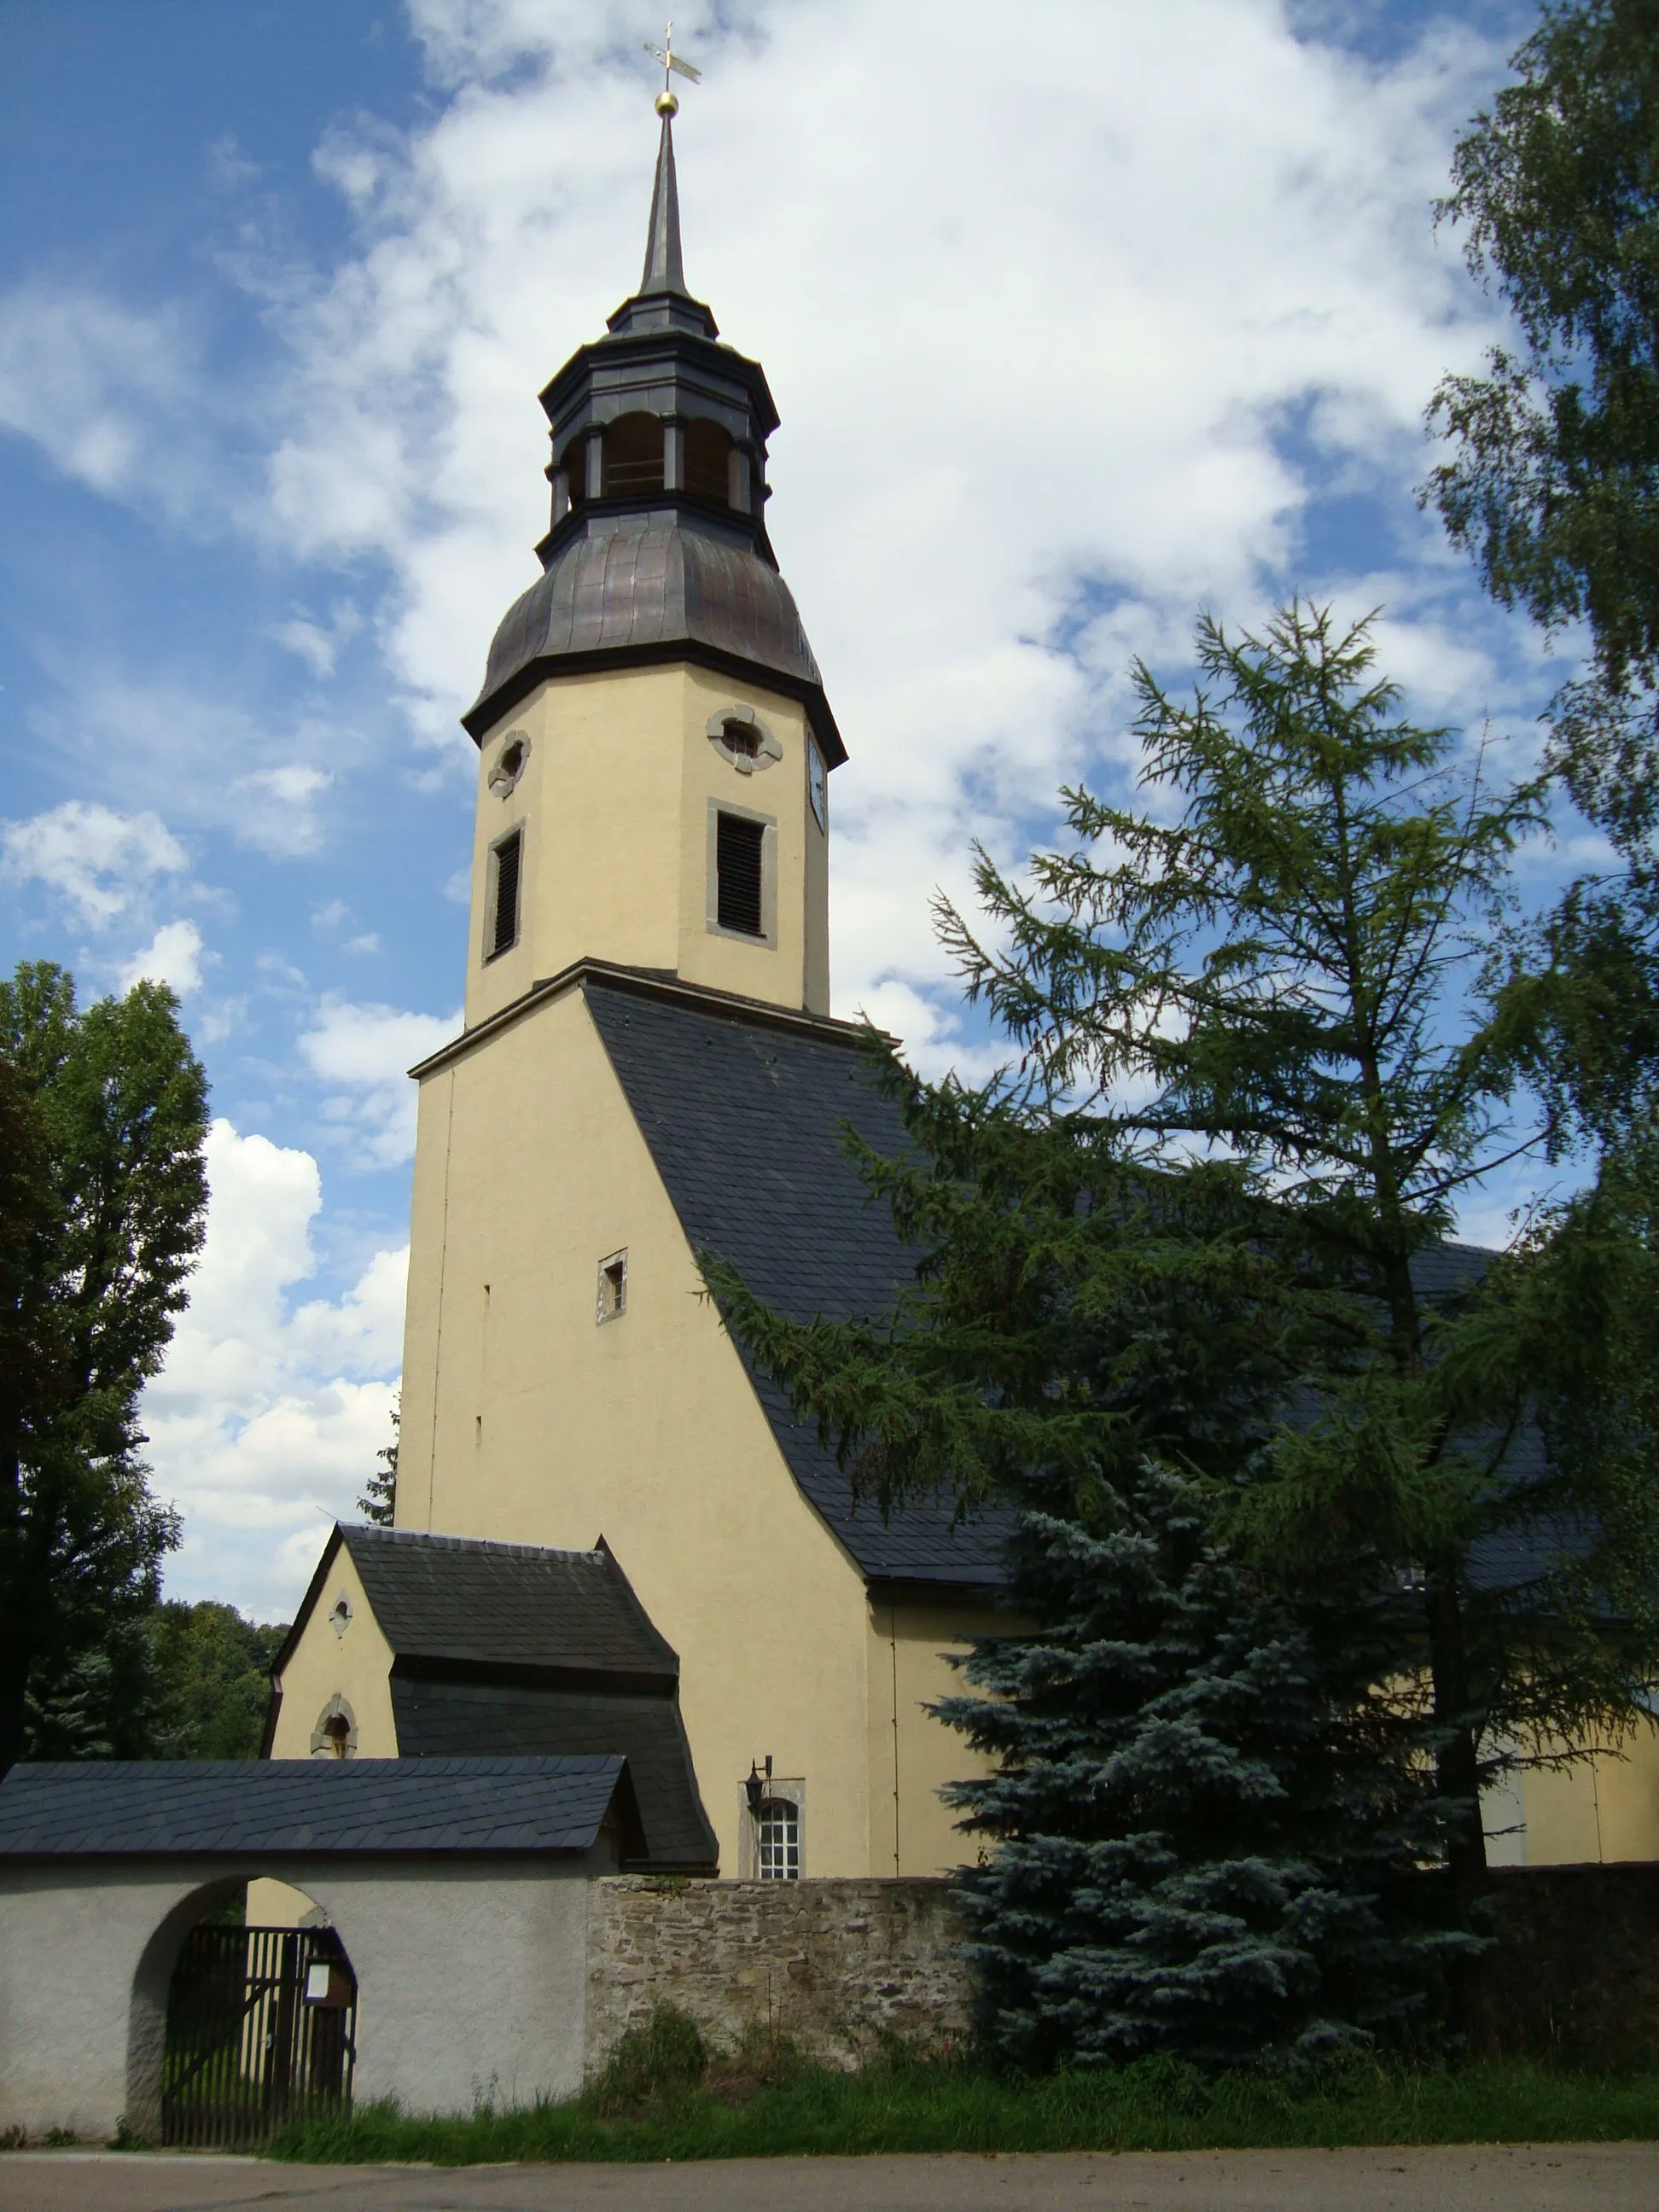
x=112, y=1198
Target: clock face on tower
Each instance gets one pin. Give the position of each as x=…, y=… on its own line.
x=818, y=784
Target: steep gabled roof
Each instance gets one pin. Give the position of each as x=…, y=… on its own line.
x=745, y=1119
x=463, y=1600
x=514, y=1650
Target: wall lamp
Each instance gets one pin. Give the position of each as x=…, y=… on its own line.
x=755, y=1788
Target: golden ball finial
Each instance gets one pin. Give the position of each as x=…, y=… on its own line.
x=667, y=104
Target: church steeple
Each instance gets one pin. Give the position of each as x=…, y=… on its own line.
x=654, y=733
x=659, y=435
x=662, y=301
x=664, y=271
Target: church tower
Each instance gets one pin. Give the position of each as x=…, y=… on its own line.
x=654, y=738
x=649, y=1071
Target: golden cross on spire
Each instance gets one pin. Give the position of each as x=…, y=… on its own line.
x=667, y=104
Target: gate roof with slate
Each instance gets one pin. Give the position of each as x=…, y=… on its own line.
x=239, y=1808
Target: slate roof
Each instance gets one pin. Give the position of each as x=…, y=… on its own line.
x=467, y=1602
x=744, y=1119
x=439, y=1717
x=512, y=1649
x=235, y=1807
x=788, y=1208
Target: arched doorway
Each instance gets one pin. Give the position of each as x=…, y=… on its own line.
x=260, y=2028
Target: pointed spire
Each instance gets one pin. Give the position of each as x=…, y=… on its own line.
x=664, y=271
x=662, y=303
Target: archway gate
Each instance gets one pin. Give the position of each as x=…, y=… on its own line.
x=456, y=1889
x=260, y=2030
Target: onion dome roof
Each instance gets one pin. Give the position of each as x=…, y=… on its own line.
x=658, y=550
x=649, y=588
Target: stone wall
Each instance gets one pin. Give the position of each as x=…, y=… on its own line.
x=842, y=1966
x=839, y=1967
x=1575, y=1973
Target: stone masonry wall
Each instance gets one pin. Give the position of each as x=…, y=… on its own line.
x=1574, y=1975
x=839, y=1967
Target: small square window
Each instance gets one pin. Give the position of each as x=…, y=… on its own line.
x=612, y=1302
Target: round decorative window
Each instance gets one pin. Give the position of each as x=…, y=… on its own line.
x=739, y=734
x=515, y=753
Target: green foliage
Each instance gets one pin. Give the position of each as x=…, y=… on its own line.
x=1183, y=1295
x=111, y=1107
x=1551, y=483
x=1296, y=973
x=1157, y=2105
x=1211, y=1806
x=665, y=2057
x=379, y=1502
x=212, y=1673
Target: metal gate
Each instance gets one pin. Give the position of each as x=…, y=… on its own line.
x=260, y=2023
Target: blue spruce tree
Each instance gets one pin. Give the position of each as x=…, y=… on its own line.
x=1210, y=1828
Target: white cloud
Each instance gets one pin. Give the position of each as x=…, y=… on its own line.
x=320, y=648
x=172, y=957
x=98, y=860
x=264, y=1422
x=111, y=395
x=276, y=810
x=1038, y=344
x=365, y=1052
x=180, y=752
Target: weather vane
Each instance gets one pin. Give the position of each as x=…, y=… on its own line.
x=667, y=104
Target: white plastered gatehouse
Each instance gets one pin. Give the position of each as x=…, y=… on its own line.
x=456, y=1892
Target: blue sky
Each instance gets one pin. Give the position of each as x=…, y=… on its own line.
x=1077, y=320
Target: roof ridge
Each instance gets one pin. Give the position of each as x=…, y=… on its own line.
x=441, y=1539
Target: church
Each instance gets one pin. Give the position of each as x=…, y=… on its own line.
x=611, y=1537
x=611, y=1533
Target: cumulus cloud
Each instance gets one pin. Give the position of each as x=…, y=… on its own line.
x=173, y=956
x=99, y=861
x=1060, y=357
x=364, y=1055
x=264, y=1423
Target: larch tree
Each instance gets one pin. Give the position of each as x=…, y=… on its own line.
x=1321, y=1521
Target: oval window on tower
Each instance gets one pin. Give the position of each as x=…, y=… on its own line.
x=510, y=765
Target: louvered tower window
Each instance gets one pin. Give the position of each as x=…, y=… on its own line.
x=739, y=849
x=504, y=906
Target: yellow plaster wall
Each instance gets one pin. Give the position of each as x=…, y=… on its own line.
x=543, y=1427
x=614, y=807
x=913, y=1755
x=356, y=1667
x=1600, y=1809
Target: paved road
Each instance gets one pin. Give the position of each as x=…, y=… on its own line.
x=1592, y=2178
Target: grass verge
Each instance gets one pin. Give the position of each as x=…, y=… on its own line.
x=812, y=2110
